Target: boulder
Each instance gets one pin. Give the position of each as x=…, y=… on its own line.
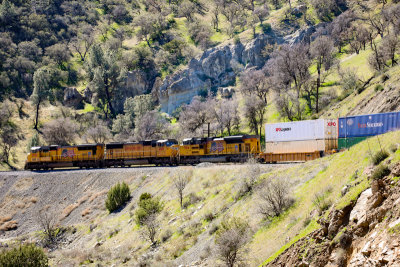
x=359, y=213
x=72, y=98
x=396, y=170
x=87, y=94
x=366, y=250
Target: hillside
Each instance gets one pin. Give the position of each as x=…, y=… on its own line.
x=214, y=193
x=75, y=72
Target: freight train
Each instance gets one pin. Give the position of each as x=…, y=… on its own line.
x=284, y=142
x=150, y=152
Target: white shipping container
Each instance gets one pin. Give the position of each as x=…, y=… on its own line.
x=331, y=129
x=294, y=131
x=304, y=146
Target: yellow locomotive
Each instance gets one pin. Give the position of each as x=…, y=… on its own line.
x=226, y=149
x=50, y=157
x=158, y=152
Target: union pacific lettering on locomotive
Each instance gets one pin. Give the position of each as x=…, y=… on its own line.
x=284, y=142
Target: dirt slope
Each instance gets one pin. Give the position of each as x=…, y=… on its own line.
x=66, y=193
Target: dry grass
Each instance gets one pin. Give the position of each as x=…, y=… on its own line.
x=5, y=219
x=6, y=223
x=94, y=196
x=86, y=211
x=23, y=184
x=67, y=211
x=70, y=208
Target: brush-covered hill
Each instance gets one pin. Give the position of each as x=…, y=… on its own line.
x=324, y=194
x=112, y=70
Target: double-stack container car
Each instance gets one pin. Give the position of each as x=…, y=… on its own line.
x=300, y=140
x=355, y=129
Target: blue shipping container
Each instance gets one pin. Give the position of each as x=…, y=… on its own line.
x=369, y=125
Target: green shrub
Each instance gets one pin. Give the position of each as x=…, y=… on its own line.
x=236, y=40
x=379, y=88
x=25, y=255
x=379, y=157
x=380, y=172
x=147, y=206
x=393, y=148
x=33, y=142
x=166, y=235
x=118, y=195
x=385, y=77
x=266, y=27
x=209, y=216
x=144, y=196
x=321, y=201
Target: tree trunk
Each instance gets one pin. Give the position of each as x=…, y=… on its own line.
x=318, y=85
x=109, y=99
x=37, y=116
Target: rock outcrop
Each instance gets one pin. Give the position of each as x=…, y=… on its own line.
x=365, y=233
x=214, y=69
x=217, y=67
x=72, y=98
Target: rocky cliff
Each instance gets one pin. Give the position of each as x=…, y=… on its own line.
x=218, y=67
x=215, y=68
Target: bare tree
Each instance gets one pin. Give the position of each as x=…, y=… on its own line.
x=235, y=15
x=287, y=102
x=324, y=8
x=180, y=180
x=187, y=9
x=254, y=111
x=275, y=197
x=289, y=70
x=200, y=34
x=151, y=25
x=151, y=126
x=227, y=115
x=379, y=22
x=84, y=41
x=340, y=28
x=98, y=134
x=60, y=132
x=150, y=229
x=9, y=134
x=322, y=52
x=254, y=83
x=230, y=241
x=48, y=222
x=390, y=45
x=196, y=114
x=215, y=11
x=394, y=18
x=276, y=3
x=376, y=59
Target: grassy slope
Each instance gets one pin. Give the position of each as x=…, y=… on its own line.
x=216, y=187
x=346, y=168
